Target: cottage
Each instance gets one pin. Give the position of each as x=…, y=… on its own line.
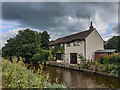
x=85, y=43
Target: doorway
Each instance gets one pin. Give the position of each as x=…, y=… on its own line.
x=73, y=58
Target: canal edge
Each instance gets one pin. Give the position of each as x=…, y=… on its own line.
x=75, y=67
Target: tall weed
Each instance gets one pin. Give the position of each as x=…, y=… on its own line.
x=16, y=75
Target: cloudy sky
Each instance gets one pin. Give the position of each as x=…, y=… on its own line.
x=59, y=18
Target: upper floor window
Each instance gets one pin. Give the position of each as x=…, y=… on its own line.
x=67, y=44
x=61, y=44
x=76, y=43
x=53, y=46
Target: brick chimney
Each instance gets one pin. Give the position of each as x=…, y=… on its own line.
x=91, y=27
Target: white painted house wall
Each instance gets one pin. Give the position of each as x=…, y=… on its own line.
x=93, y=42
x=74, y=49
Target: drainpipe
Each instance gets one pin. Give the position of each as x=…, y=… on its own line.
x=85, y=48
x=64, y=52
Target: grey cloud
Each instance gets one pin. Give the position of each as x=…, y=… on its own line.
x=116, y=28
x=36, y=15
x=53, y=16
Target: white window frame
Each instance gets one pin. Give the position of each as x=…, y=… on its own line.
x=76, y=43
x=61, y=45
x=67, y=44
x=53, y=46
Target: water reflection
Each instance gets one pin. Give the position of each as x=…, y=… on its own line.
x=77, y=79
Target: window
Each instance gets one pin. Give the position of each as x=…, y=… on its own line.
x=53, y=46
x=76, y=43
x=61, y=45
x=59, y=56
x=67, y=44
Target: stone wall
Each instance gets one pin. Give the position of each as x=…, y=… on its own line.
x=76, y=67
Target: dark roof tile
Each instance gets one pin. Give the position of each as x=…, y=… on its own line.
x=69, y=38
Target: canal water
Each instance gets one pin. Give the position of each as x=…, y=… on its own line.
x=77, y=79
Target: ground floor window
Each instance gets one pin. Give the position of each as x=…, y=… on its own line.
x=59, y=56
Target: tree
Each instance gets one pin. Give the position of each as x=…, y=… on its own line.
x=28, y=43
x=112, y=43
x=25, y=45
x=45, y=40
x=8, y=49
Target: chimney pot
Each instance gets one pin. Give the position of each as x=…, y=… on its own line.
x=91, y=27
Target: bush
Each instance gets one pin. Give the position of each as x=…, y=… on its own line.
x=108, y=68
x=116, y=70
x=40, y=57
x=51, y=59
x=111, y=69
x=35, y=59
x=44, y=55
x=111, y=64
x=110, y=59
x=101, y=60
x=84, y=66
x=16, y=75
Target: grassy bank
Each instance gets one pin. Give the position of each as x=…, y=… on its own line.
x=16, y=75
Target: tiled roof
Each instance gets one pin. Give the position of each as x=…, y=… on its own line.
x=77, y=36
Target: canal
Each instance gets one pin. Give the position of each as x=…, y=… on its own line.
x=77, y=79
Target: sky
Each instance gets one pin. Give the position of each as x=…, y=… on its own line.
x=59, y=18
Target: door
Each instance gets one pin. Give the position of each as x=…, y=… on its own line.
x=73, y=58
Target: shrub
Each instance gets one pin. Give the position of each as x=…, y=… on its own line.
x=96, y=64
x=110, y=59
x=16, y=75
x=106, y=59
x=51, y=59
x=80, y=56
x=101, y=68
x=101, y=60
x=84, y=66
x=113, y=58
x=116, y=70
x=111, y=69
x=40, y=57
x=44, y=55
x=108, y=68
x=35, y=59
x=110, y=64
